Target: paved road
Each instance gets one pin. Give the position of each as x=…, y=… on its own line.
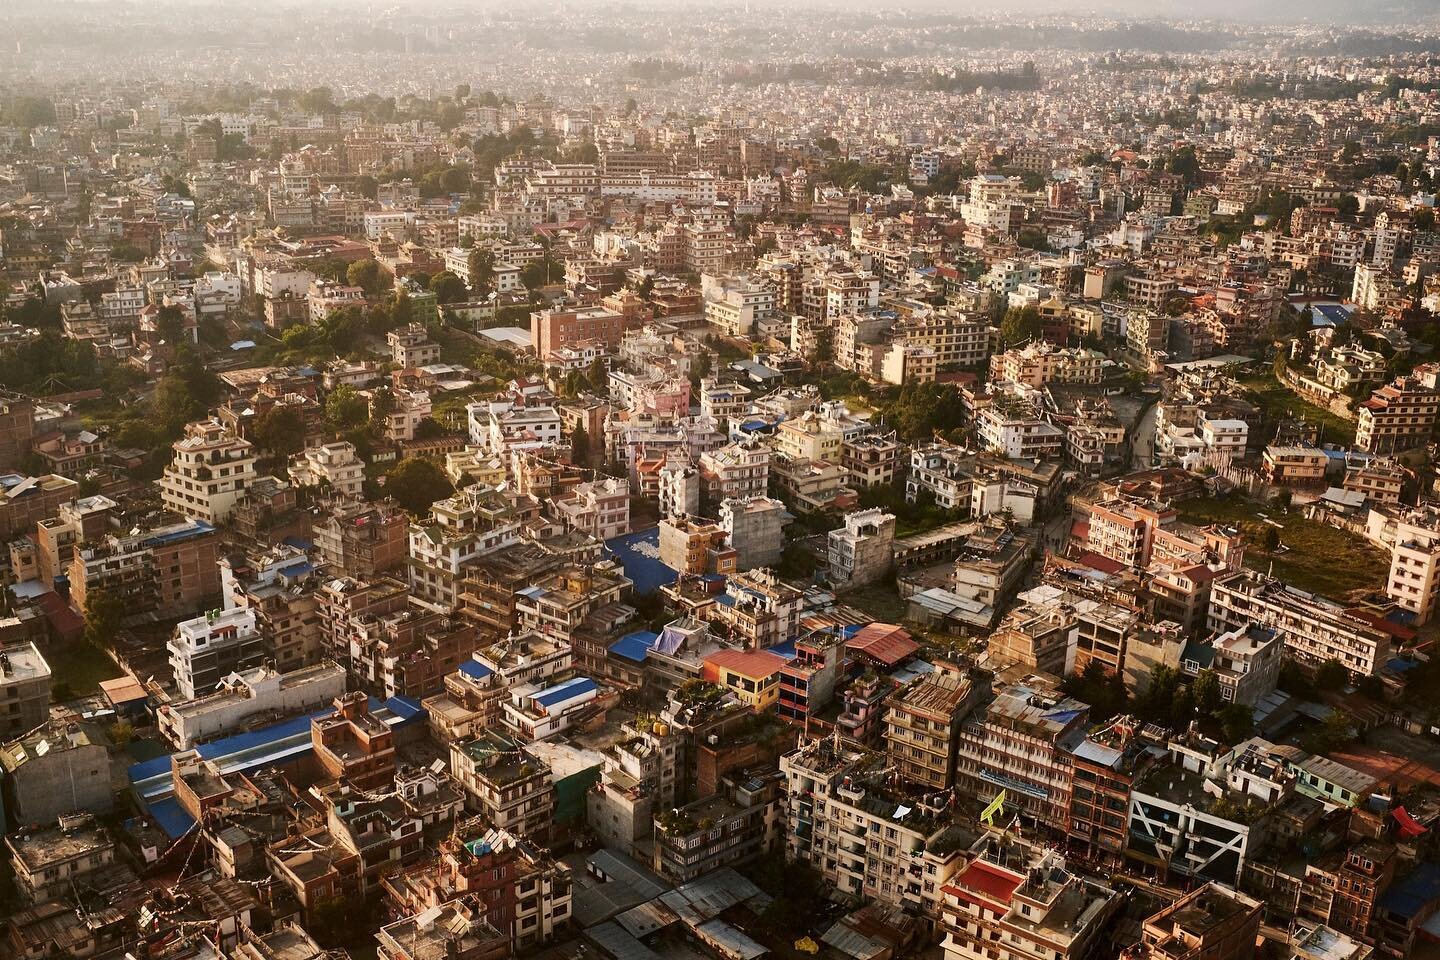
x=1143, y=446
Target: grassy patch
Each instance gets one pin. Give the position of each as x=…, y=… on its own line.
x=1279, y=402
x=80, y=670
x=880, y=600
x=1320, y=559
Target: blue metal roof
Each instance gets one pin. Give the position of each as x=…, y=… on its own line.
x=786, y=650
x=405, y=708
x=635, y=646
x=171, y=817
x=1328, y=315
x=194, y=529
x=564, y=691
x=1413, y=892
x=532, y=593
x=476, y=669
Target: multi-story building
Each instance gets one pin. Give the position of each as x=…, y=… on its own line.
x=353, y=744
x=871, y=459
x=1124, y=530
x=599, y=508
x=740, y=824
x=1414, y=578
x=755, y=530
x=692, y=546
x=759, y=610
x=408, y=408
x=1295, y=466
x=332, y=466
x=735, y=471
x=55, y=769
x=1016, y=900
x=577, y=604
x=1022, y=742
x=863, y=550
x=457, y=930
x=473, y=523
x=24, y=689
x=861, y=836
x=209, y=473
x=1245, y=661
x=551, y=330
x=1209, y=923
x=170, y=570
x=1399, y=416
x=808, y=681
x=504, y=783
x=51, y=864
x=244, y=694
x=1313, y=628
x=279, y=586
x=522, y=892
x=922, y=725
x=205, y=650
x=360, y=540
x=411, y=346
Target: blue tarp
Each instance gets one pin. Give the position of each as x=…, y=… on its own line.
x=639, y=554
x=635, y=646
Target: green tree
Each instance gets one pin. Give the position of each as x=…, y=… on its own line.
x=382, y=402
x=1206, y=692
x=121, y=732
x=416, y=483
x=448, y=288
x=1020, y=324
x=580, y=446
x=170, y=324
x=367, y=275
x=104, y=612
x=1334, y=732
x=281, y=431
x=1237, y=722
x=824, y=354
x=482, y=271
x=345, y=408
x=599, y=376
x=1331, y=675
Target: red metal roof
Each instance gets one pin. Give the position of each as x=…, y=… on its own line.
x=988, y=880
x=884, y=642
x=750, y=663
x=1095, y=561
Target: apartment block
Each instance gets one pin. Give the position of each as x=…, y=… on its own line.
x=863, y=550
x=1313, y=628
x=24, y=689
x=209, y=648
x=922, y=725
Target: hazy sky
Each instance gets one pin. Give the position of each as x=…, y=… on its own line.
x=1358, y=12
